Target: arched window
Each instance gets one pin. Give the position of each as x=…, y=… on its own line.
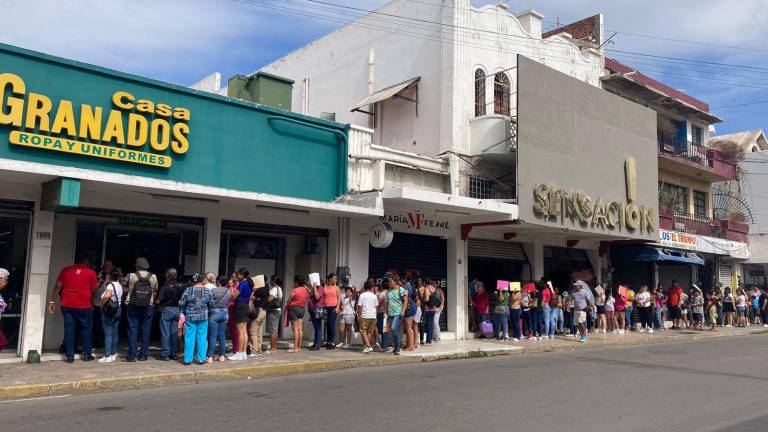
x=501, y=94
x=479, y=93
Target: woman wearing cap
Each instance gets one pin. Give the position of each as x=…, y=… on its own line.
x=196, y=301
x=242, y=295
x=4, y=274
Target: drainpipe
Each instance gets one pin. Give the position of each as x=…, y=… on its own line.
x=371, y=72
x=305, y=98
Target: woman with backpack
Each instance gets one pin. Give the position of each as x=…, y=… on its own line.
x=110, y=315
x=433, y=302
x=196, y=301
x=295, y=310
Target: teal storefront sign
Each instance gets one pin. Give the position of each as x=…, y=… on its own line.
x=65, y=113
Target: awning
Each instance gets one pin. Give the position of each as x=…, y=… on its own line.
x=650, y=253
x=387, y=93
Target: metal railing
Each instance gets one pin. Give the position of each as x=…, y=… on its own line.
x=675, y=146
x=482, y=187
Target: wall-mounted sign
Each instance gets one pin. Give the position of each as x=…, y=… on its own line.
x=143, y=222
x=415, y=221
x=135, y=130
x=578, y=208
x=380, y=235
x=705, y=244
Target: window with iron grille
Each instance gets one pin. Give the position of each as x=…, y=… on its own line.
x=699, y=204
x=501, y=94
x=697, y=135
x=479, y=93
x=480, y=188
x=678, y=195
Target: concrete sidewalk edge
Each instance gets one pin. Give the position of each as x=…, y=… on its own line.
x=272, y=370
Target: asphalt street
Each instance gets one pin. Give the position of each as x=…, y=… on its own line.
x=709, y=385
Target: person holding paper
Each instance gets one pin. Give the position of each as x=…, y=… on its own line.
x=501, y=315
x=516, y=311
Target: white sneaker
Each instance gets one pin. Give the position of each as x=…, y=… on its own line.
x=345, y=346
x=515, y=340
x=621, y=331
x=339, y=345
x=366, y=350
x=642, y=330
x=238, y=357
x=650, y=330
x=105, y=359
x=113, y=358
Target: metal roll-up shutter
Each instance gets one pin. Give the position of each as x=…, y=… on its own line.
x=725, y=274
x=414, y=255
x=496, y=249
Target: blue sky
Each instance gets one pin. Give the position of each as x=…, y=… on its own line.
x=181, y=41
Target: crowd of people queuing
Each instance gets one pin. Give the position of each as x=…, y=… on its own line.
x=195, y=314
x=544, y=310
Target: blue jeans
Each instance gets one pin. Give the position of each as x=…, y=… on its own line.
x=629, y=316
x=394, y=330
x=569, y=315
x=658, y=324
x=380, y=317
x=527, y=328
x=516, y=314
x=546, y=318
x=74, y=320
x=317, y=324
x=217, y=331
x=139, y=324
x=195, y=340
x=501, y=323
x=557, y=319
x=430, y=325
x=109, y=325
x=330, y=325
x=536, y=322
x=169, y=331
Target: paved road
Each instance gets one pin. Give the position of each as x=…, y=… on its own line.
x=713, y=385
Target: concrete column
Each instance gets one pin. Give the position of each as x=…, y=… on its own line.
x=457, y=303
x=212, y=244
x=37, y=282
x=535, y=252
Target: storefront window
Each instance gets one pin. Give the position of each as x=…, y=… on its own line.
x=14, y=237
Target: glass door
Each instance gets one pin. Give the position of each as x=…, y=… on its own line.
x=14, y=242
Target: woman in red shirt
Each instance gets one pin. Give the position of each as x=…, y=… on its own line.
x=295, y=307
x=480, y=303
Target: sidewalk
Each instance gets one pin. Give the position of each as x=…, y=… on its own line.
x=53, y=378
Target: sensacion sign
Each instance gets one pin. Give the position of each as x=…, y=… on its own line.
x=579, y=208
x=134, y=130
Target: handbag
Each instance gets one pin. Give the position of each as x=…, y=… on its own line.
x=318, y=313
x=112, y=305
x=499, y=310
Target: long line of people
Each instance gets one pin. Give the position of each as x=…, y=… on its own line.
x=544, y=311
x=194, y=315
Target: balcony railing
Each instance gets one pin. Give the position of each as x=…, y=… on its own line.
x=483, y=187
x=709, y=159
x=702, y=225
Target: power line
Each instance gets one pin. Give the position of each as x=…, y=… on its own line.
x=741, y=104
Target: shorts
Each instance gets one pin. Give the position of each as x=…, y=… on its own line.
x=580, y=317
x=273, y=321
x=295, y=313
x=674, y=313
x=698, y=317
x=367, y=325
x=728, y=307
x=348, y=319
x=601, y=310
x=741, y=310
x=242, y=312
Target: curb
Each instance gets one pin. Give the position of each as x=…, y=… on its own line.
x=274, y=370
x=230, y=374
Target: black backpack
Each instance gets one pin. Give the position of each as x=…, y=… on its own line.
x=112, y=305
x=141, y=294
x=434, y=299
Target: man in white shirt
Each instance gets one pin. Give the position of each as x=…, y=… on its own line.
x=366, y=312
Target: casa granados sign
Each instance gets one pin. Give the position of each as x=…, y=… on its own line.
x=133, y=130
x=576, y=207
